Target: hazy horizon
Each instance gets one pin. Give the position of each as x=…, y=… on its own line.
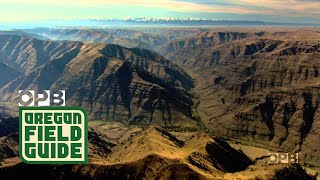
x=36, y=11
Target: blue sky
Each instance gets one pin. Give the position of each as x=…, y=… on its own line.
x=301, y=11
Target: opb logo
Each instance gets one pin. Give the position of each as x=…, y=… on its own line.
x=42, y=98
x=283, y=158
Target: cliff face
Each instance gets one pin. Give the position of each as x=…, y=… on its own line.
x=263, y=88
x=110, y=81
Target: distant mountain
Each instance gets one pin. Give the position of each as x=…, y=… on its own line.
x=203, y=40
x=183, y=22
x=148, y=38
x=22, y=33
x=148, y=22
x=124, y=37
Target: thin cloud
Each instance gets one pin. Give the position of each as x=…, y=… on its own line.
x=170, y=5
x=290, y=7
x=283, y=8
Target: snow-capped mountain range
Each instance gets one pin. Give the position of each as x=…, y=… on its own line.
x=147, y=22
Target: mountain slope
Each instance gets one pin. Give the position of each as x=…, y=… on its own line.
x=262, y=88
x=24, y=53
x=202, y=40
x=201, y=152
x=7, y=74
x=114, y=83
x=151, y=153
x=8, y=126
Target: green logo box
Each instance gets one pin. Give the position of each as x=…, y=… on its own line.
x=53, y=135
